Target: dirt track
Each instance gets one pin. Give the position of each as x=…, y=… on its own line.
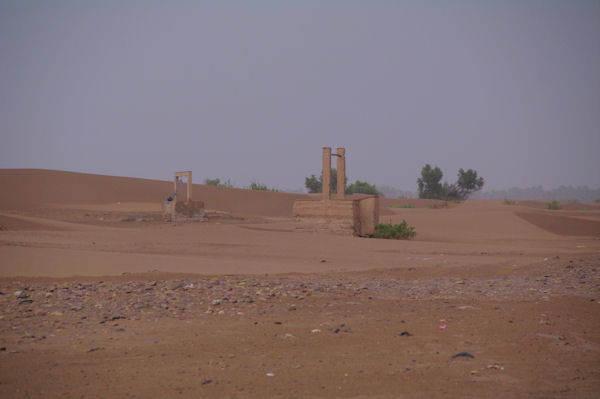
x=112, y=303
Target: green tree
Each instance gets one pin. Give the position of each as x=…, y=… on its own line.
x=315, y=185
x=468, y=182
x=260, y=187
x=217, y=182
x=212, y=182
x=362, y=187
x=430, y=185
x=553, y=205
x=430, y=182
x=449, y=192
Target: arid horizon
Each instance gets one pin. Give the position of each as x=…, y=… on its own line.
x=103, y=298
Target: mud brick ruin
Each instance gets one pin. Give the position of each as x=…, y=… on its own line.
x=179, y=210
x=338, y=215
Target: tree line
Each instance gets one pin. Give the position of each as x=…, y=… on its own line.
x=315, y=185
x=429, y=184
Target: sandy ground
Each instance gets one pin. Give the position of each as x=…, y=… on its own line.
x=100, y=298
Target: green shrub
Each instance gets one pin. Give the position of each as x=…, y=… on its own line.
x=217, y=182
x=457, y=201
x=554, y=205
x=315, y=185
x=362, y=187
x=260, y=187
x=400, y=231
x=212, y=182
x=509, y=202
x=402, y=206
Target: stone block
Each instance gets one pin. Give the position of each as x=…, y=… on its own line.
x=345, y=217
x=369, y=215
x=184, y=211
x=340, y=217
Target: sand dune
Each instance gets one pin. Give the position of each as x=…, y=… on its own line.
x=75, y=216
x=96, y=295
x=474, y=220
x=561, y=224
x=414, y=203
x=565, y=205
x=491, y=219
x=24, y=189
x=30, y=188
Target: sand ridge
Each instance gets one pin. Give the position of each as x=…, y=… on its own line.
x=100, y=297
x=30, y=188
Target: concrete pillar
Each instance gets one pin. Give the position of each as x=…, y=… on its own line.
x=327, y=173
x=174, y=197
x=341, y=173
x=189, y=186
x=175, y=187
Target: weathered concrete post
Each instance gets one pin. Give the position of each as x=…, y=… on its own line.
x=326, y=173
x=189, y=187
x=175, y=181
x=341, y=173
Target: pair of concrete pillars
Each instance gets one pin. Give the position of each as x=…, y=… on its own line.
x=187, y=174
x=339, y=215
x=341, y=173
x=183, y=210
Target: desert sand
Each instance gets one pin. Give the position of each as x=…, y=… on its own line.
x=101, y=298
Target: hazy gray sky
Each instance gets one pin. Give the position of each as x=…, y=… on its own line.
x=252, y=90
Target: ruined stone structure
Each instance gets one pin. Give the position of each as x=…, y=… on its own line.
x=339, y=215
x=179, y=210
